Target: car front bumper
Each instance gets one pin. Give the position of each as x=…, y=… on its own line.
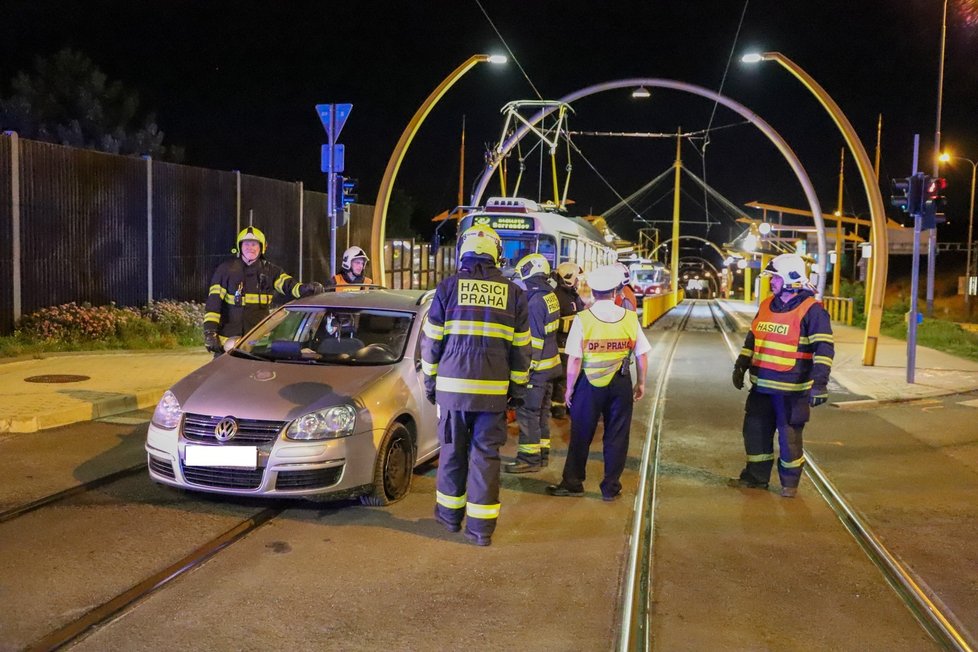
x=285, y=468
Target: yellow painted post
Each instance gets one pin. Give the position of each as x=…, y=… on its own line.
x=674, y=264
x=764, y=283
x=748, y=285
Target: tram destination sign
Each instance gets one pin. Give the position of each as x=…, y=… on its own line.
x=507, y=222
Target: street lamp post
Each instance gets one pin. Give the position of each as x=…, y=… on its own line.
x=878, y=236
x=971, y=219
x=377, y=231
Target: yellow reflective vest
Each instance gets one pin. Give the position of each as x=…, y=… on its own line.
x=606, y=345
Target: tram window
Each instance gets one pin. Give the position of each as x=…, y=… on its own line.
x=547, y=247
x=568, y=249
x=515, y=248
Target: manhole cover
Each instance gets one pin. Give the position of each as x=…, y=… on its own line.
x=56, y=378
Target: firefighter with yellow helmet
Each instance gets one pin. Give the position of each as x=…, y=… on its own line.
x=242, y=289
x=567, y=277
x=789, y=352
x=600, y=345
x=475, y=355
x=533, y=417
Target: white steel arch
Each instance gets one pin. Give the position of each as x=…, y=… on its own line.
x=733, y=105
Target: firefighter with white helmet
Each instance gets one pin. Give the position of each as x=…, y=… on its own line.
x=600, y=344
x=242, y=289
x=475, y=355
x=626, y=296
x=533, y=417
x=352, y=269
x=566, y=280
x=789, y=352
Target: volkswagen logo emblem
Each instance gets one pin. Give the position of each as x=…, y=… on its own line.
x=225, y=429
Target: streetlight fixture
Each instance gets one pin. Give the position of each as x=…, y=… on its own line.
x=641, y=93
x=945, y=157
x=377, y=231
x=878, y=236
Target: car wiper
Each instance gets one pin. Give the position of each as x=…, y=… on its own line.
x=247, y=354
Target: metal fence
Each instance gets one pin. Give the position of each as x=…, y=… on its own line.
x=86, y=226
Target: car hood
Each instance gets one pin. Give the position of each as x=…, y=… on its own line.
x=275, y=391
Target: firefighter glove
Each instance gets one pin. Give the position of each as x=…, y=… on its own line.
x=309, y=289
x=430, y=396
x=212, y=342
x=819, y=395
x=514, y=402
x=738, y=377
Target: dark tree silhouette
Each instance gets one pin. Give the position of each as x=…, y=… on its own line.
x=67, y=100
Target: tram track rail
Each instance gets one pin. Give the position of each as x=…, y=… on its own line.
x=91, y=485
x=925, y=606
x=636, y=608
x=135, y=594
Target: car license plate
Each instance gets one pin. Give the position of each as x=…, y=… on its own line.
x=245, y=457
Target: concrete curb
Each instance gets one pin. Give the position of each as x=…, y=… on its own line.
x=91, y=410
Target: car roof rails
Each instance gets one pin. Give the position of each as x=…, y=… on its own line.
x=358, y=286
x=426, y=297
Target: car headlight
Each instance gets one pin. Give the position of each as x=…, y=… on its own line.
x=168, y=412
x=337, y=421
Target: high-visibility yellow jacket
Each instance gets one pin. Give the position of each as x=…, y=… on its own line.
x=240, y=295
x=544, y=312
x=475, y=349
x=606, y=345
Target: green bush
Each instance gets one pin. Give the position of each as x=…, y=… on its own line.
x=72, y=327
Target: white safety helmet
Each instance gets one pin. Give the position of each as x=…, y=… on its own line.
x=569, y=272
x=791, y=269
x=531, y=265
x=352, y=254
x=605, y=278
x=625, y=272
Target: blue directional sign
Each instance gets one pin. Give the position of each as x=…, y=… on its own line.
x=327, y=163
x=333, y=117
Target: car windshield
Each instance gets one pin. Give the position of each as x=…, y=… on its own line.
x=315, y=335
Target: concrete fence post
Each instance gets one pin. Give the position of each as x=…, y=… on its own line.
x=149, y=229
x=15, y=271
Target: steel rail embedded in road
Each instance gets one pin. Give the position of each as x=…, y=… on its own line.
x=26, y=508
x=637, y=584
x=936, y=619
x=195, y=559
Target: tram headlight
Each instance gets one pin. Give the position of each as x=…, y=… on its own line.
x=331, y=423
x=168, y=412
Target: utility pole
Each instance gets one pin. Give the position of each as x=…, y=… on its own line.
x=932, y=232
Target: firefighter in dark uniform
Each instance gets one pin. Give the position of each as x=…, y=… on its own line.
x=475, y=355
x=567, y=278
x=533, y=417
x=601, y=342
x=789, y=352
x=352, y=270
x=242, y=289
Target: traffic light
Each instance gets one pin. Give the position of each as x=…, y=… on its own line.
x=349, y=190
x=934, y=201
x=899, y=189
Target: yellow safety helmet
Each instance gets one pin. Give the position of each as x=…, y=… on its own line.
x=481, y=239
x=569, y=272
x=531, y=265
x=252, y=233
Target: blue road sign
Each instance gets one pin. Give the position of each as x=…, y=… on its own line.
x=329, y=165
x=333, y=117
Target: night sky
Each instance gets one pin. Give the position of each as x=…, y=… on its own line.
x=235, y=83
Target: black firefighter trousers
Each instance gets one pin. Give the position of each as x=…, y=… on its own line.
x=765, y=415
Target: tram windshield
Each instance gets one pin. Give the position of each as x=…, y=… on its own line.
x=515, y=247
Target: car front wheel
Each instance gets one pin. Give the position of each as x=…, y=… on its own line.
x=393, y=468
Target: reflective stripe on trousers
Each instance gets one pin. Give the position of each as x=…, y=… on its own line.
x=762, y=415
x=468, y=468
x=533, y=418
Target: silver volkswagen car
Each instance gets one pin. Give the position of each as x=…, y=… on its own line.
x=324, y=398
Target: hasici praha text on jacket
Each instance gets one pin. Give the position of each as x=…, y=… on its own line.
x=476, y=349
